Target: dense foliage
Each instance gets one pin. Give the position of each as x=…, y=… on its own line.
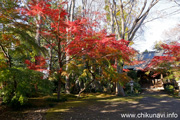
x=19, y=84
x=17, y=44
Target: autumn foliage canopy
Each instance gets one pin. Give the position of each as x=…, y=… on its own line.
x=77, y=37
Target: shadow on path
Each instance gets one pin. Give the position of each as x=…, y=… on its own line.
x=155, y=104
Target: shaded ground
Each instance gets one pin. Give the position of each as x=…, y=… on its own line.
x=103, y=107
x=22, y=114
x=153, y=84
x=112, y=108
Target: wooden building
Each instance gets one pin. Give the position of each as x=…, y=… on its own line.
x=146, y=79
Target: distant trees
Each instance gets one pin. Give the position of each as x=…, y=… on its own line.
x=125, y=18
x=146, y=50
x=172, y=34
x=158, y=46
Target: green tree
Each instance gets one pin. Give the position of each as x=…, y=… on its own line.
x=20, y=83
x=17, y=44
x=158, y=46
x=15, y=34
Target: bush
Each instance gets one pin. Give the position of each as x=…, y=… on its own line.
x=169, y=89
x=136, y=88
x=19, y=84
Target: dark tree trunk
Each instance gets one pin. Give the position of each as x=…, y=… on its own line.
x=59, y=88
x=71, y=11
x=93, y=79
x=119, y=88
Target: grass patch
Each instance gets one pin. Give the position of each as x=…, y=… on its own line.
x=122, y=99
x=43, y=102
x=87, y=96
x=50, y=101
x=157, y=96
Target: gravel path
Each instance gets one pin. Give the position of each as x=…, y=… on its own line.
x=151, y=105
x=154, y=105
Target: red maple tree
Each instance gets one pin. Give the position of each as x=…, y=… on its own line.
x=81, y=35
x=38, y=67
x=170, y=61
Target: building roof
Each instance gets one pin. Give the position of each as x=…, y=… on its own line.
x=146, y=58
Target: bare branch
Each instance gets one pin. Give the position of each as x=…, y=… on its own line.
x=129, y=13
x=140, y=19
x=4, y=51
x=165, y=15
x=176, y=2
x=137, y=19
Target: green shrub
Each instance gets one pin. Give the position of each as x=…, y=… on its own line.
x=136, y=88
x=19, y=84
x=169, y=89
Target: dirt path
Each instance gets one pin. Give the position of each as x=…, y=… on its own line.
x=152, y=105
x=157, y=105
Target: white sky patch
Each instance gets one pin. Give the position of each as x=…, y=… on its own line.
x=155, y=30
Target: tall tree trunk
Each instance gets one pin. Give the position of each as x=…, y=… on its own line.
x=93, y=79
x=132, y=31
x=124, y=30
x=60, y=69
x=111, y=9
x=84, y=3
x=67, y=85
x=50, y=63
x=119, y=88
x=123, y=27
x=59, y=73
x=59, y=88
x=59, y=58
x=38, y=29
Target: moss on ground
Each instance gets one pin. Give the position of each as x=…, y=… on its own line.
x=86, y=100
x=67, y=102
